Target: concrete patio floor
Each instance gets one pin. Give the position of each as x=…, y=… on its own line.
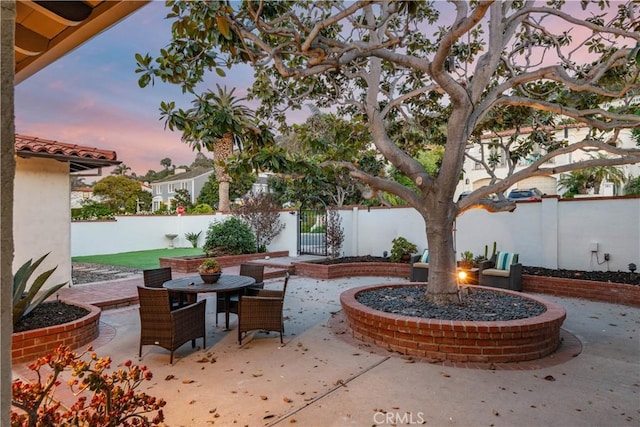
x=322, y=377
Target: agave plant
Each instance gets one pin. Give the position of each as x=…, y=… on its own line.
x=24, y=303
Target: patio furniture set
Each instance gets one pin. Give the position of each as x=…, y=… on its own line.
x=501, y=271
x=171, y=315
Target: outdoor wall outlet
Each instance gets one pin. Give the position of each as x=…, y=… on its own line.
x=594, y=246
x=607, y=257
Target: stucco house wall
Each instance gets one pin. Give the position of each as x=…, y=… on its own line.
x=42, y=216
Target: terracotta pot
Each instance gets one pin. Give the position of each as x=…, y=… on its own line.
x=210, y=277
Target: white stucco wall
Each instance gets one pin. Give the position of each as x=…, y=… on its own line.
x=550, y=233
x=42, y=216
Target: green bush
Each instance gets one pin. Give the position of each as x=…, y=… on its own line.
x=92, y=210
x=401, y=246
x=202, y=208
x=230, y=237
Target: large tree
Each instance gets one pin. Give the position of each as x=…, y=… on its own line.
x=121, y=194
x=453, y=70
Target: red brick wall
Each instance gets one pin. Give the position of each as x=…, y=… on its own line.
x=616, y=293
x=186, y=265
x=456, y=341
x=29, y=345
x=333, y=271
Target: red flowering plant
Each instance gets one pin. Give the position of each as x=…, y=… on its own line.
x=113, y=399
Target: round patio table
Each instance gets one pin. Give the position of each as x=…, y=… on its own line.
x=227, y=285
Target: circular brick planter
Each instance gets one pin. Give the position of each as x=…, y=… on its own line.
x=456, y=341
x=27, y=346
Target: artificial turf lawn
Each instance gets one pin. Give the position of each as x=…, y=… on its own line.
x=138, y=259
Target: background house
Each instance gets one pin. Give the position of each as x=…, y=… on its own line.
x=42, y=214
x=476, y=176
x=164, y=190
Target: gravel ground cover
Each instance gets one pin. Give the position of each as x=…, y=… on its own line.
x=478, y=305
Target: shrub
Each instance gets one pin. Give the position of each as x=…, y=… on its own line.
x=401, y=246
x=113, y=400
x=202, y=208
x=193, y=238
x=230, y=237
x=92, y=210
x=335, y=233
x=24, y=303
x=262, y=213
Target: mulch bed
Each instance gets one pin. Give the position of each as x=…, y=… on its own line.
x=598, y=276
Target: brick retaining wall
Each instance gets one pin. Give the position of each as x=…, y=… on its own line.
x=27, y=346
x=189, y=264
x=456, y=341
x=334, y=271
x=615, y=293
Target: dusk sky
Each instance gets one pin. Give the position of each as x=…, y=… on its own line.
x=91, y=96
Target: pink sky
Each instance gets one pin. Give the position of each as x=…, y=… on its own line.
x=91, y=96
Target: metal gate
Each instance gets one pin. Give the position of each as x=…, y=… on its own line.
x=312, y=228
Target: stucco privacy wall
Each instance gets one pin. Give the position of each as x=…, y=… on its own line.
x=551, y=233
x=39, y=186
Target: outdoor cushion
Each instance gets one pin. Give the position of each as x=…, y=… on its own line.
x=495, y=272
x=425, y=257
x=505, y=259
x=421, y=265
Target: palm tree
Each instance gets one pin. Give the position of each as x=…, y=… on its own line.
x=613, y=174
x=121, y=169
x=216, y=121
x=581, y=180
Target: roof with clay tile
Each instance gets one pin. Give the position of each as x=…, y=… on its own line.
x=80, y=157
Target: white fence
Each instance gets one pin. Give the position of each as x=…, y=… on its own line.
x=552, y=233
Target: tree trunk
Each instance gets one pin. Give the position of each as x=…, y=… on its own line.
x=223, y=196
x=443, y=281
x=7, y=173
x=223, y=150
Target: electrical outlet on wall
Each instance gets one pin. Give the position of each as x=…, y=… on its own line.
x=607, y=257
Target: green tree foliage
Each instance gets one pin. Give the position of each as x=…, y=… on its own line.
x=239, y=187
x=121, y=169
x=581, y=181
x=419, y=73
x=92, y=210
x=633, y=186
x=229, y=237
x=182, y=198
x=119, y=192
x=166, y=163
x=320, y=140
x=202, y=161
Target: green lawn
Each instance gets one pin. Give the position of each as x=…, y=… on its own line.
x=138, y=259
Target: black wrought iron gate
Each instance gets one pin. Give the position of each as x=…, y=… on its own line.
x=312, y=228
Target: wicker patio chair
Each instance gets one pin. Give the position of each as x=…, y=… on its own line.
x=155, y=277
x=170, y=329
x=257, y=272
x=251, y=270
x=262, y=312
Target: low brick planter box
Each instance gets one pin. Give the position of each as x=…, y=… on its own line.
x=456, y=341
x=615, y=293
x=189, y=264
x=334, y=271
x=27, y=346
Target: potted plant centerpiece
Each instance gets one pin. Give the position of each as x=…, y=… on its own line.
x=210, y=270
x=401, y=249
